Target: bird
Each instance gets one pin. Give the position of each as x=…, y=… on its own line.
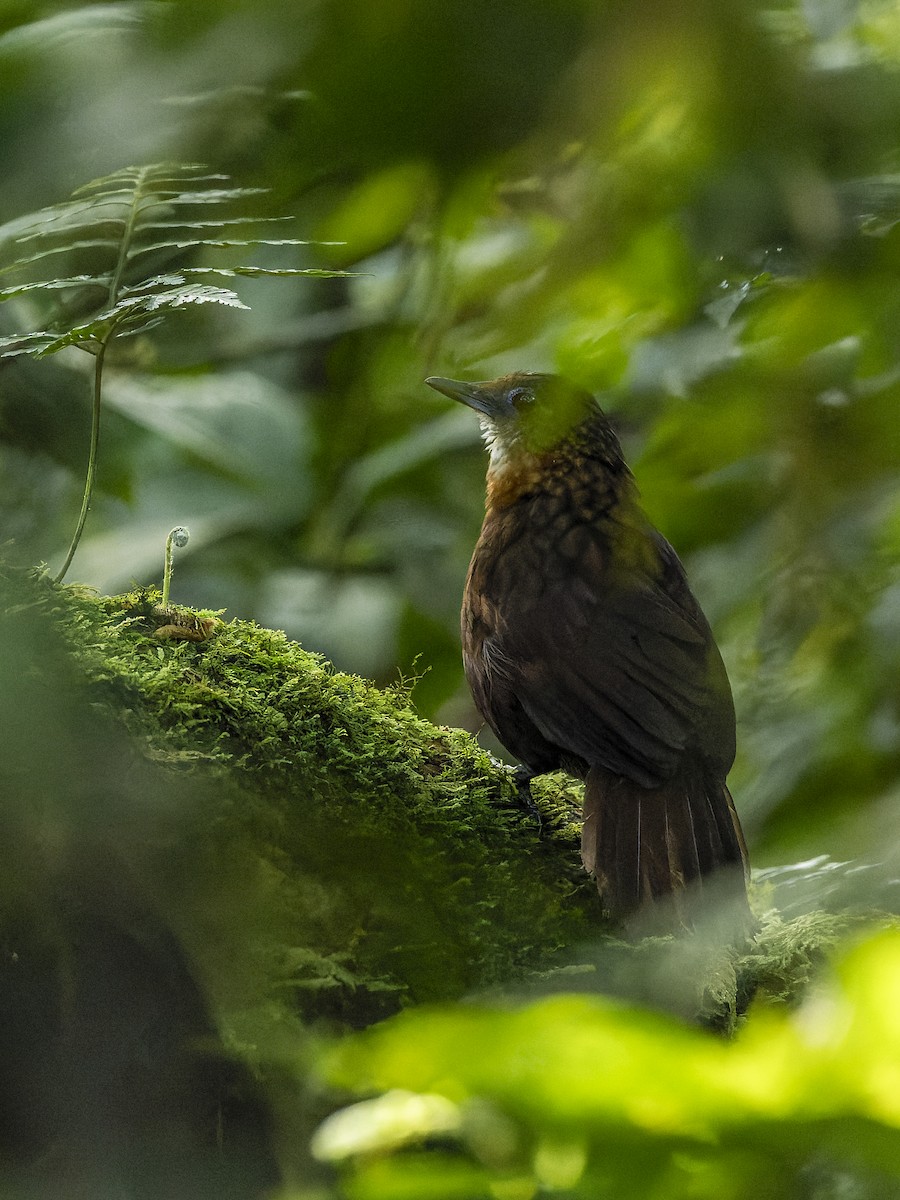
x=586, y=651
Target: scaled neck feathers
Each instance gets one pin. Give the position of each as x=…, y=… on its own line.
x=516, y=470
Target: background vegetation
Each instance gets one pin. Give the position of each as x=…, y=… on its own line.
x=693, y=209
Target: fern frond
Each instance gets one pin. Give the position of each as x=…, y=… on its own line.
x=112, y=225
x=130, y=314
x=26, y=343
x=219, y=243
x=213, y=196
x=101, y=235
x=129, y=177
x=177, y=297
x=155, y=281
x=93, y=219
x=67, y=248
x=42, y=285
x=220, y=224
x=271, y=272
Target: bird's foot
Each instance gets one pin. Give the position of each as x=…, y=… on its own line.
x=522, y=778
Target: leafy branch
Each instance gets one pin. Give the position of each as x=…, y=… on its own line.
x=108, y=240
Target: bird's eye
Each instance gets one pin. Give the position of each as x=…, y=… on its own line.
x=520, y=396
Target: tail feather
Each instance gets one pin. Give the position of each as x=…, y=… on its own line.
x=702, y=816
x=645, y=844
x=626, y=838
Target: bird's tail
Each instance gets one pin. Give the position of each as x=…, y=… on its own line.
x=675, y=841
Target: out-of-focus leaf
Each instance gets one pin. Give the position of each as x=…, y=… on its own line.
x=56, y=31
x=236, y=422
x=585, y=1081
x=379, y=210
x=453, y=431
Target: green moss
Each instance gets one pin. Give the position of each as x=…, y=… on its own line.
x=402, y=858
x=324, y=846
x=785, y=956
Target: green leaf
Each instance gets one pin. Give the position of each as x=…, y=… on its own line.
x=133, y=307
x=25, y=343
x=88, y=211
x=62, y=28
x=273, y=272
x=133, y=176
x=583, y=1080
x=56, y=284
x=221, y=224
x=191, y=293
x=221, y=243
x=118, y=219
x=155, y=281
x=217, y=196
x=66, y=247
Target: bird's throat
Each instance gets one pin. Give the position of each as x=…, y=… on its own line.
x=512, y=476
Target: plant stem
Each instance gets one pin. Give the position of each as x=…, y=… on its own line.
x=92, y=460
x=178, y=537
x=127, y=235
x=167, y=571
x=114, y=285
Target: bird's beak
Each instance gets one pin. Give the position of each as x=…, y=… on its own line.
x=467, y=393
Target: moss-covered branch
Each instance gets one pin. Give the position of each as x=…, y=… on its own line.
x=310, y=838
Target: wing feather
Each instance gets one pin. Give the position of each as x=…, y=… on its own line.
x=619, y=670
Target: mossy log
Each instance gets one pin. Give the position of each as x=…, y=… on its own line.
x=317, y=849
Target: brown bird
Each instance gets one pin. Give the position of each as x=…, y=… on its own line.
x=585, y=649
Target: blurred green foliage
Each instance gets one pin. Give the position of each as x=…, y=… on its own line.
x=693, y=209
x=578, y=1097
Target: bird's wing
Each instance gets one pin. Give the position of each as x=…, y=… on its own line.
x=619, y=667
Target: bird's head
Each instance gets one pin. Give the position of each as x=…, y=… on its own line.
x=523, y=415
